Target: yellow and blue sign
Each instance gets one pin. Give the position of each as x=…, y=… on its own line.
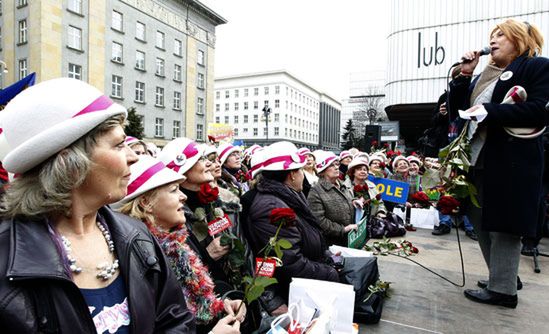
x=391, y=190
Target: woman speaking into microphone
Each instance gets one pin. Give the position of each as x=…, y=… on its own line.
x=506, y=162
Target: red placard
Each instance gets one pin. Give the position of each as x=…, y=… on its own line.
x=219, y=225
x=267, y=269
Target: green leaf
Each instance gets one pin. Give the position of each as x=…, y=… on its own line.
x=277, y=250
x=254, y=292
x=284, y=244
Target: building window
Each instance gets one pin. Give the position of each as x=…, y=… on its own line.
x=264, y=131
x=236, y=93
x=277, y=118
x=176, y=129
x=177, y=100
x=217, y=119
x=177, y=72
x=266, y=103
x=245, y=130
x=245, y=105
x=235, y=119
x=140, y=92
x=245, y=92
x=226, y=119
x=276, y=131
x=160, y=40
x=277, y=90
x=236, y=106
x=116, y=86
x=255, y=131
x=23, y=68
x=21, y=3
x=217, y=95
x=75, y=71
x=140, y=31
x=217, y=107
x=200, y=106
x=199, y=132
x=140, y=60
x=236, y=131
x=159, y=100
x=266, y=90
x=75, y=38
x=117, y=52
x=256, y=91
x=159, y=127
x=75, y=6
x=245, y=118
x=200, y=58
x=277, y=103
x=159, y=67
x=200, y=81
x=117, y=21
x=256, y=118
x=23, y=29
x=178, y=48
x=256, y=105
x=226, y=94
x=226, y=107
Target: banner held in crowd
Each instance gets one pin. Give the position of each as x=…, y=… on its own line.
x=391, y=190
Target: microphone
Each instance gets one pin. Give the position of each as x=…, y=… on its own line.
x=483, y=52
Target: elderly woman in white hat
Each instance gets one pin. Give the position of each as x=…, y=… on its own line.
x=234, y=174
x=281, y=168
x=154, y=198
x=138, y=146
x=358, y=176
x=331, y=201
x=377, y=165
x=186, y=157
x=76, y=266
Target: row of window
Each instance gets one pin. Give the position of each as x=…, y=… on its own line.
x=301, y=111
x=176, y=129
x=294, y=94
x=293, y=121
x=300, y=135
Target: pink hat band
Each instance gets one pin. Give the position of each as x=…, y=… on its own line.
x=190, y=151
x=101, y=103
x=325, y=162
x=141, y=179
x=228, y=148
x=286, y=159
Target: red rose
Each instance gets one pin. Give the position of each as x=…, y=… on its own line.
x=386, y=145
x=415, y=250
x=358, y=188
x=374, y=143
x=284, y=216
x=378, y=197
x=207, y=194
x=447, y=205
x=421, y=198
x=390, y=154
x=382, y=165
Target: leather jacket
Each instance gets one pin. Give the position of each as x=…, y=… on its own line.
x=38, y=295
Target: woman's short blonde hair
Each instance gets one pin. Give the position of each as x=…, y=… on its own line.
x=525, y=36
x=137, y=208
x=46, y=189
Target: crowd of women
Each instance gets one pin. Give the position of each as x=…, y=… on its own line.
x=103, y=232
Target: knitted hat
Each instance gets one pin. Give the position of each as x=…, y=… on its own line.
x=181, y=154
x=148, y=173
x=47, y=117
x=413, y=158
x=278, y=156
x=397, y=159
x=358, y=162
x=324, y=159
x=224, y=150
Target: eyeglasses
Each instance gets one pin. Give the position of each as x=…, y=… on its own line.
x=212, y=158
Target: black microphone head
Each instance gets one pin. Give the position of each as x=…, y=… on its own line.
x=485, y=51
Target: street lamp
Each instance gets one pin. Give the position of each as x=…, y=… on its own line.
x=266, y=112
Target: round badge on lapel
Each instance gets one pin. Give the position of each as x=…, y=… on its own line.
x=506, y=76
x=180, y=159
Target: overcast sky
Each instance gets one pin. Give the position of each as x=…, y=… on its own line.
x=319, y=41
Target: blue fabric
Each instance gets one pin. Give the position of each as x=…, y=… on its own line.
x=10, y=92
x=109, y=307
x=447, y=220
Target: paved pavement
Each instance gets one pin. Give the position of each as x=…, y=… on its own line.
x=421, y=302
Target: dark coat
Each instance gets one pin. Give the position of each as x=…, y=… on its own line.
x=513, y=167
x=307, y=257
x=332, y=206
x=31, y=263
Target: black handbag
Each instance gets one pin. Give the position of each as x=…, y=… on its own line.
x=368, y=311
x=390, y=226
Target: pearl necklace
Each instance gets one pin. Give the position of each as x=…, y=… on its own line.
x=106, y=270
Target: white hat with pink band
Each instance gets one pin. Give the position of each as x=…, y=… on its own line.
x=224, y=150
x=278, y=156
x=46, y=118
x=324, y=159
x=147, y=174
x=181, y=154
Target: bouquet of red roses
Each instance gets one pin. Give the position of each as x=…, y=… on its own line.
x=448, y=205
x=360, y=190
x=421, y=199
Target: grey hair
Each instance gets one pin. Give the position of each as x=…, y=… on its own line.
x=46, y=189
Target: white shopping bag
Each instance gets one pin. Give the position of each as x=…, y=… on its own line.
x=349, y=252
x=424, y=218
x=335, y=301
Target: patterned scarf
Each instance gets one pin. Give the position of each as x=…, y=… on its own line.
x=192, y=274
